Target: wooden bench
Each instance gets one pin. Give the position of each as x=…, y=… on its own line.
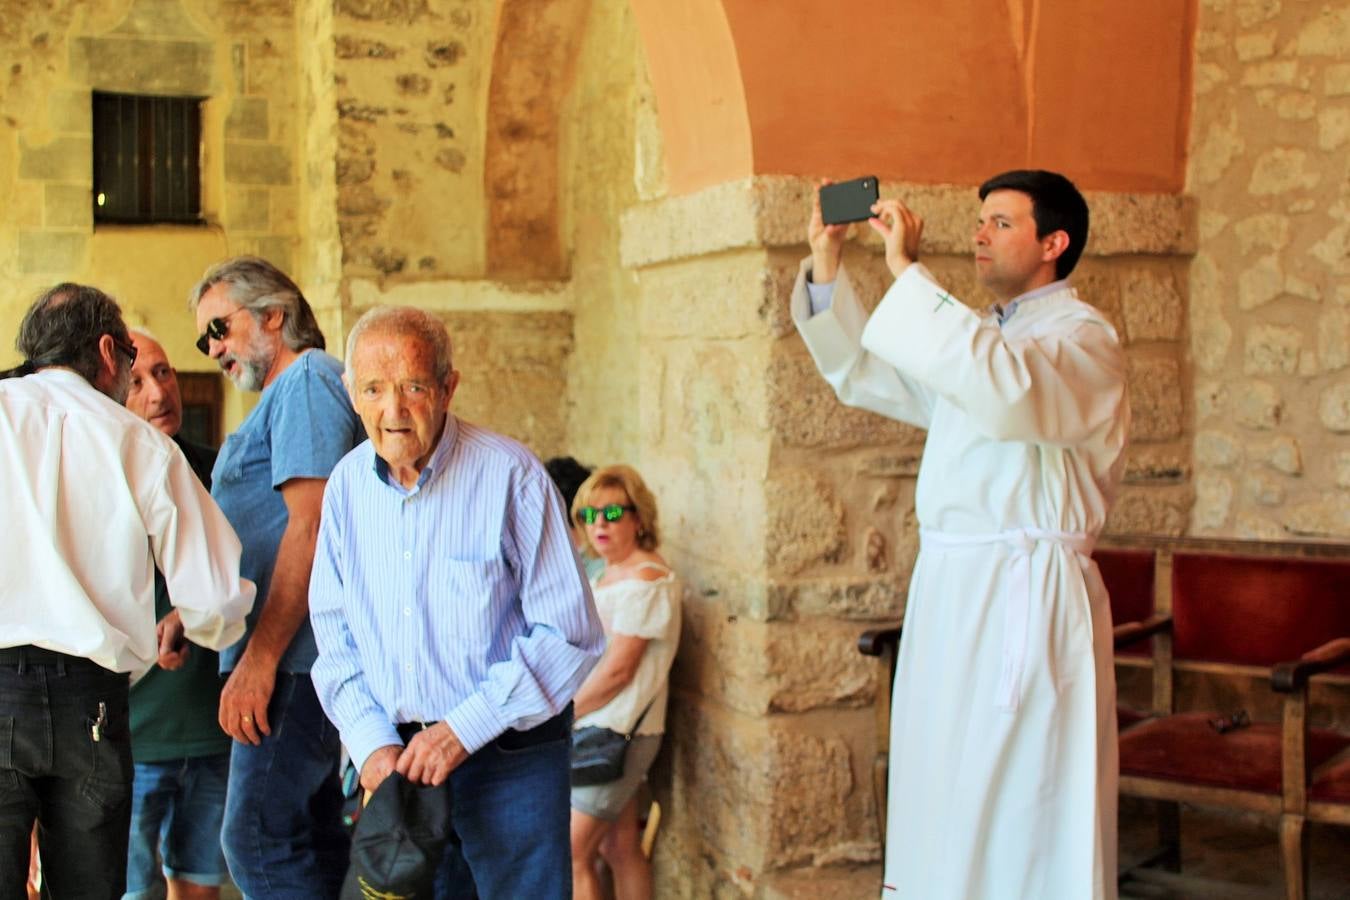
x=1205, y=628
x=1225, y=630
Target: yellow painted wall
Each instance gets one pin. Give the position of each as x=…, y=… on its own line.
x=240, y=54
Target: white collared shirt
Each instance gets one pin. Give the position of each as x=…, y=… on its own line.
x=92, y=497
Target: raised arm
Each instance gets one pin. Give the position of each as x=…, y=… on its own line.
x=1057, y=385
x=859, y=378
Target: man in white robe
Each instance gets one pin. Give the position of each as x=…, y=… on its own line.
x=1003, y=766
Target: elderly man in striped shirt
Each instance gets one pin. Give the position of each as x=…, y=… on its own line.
x=453, y=621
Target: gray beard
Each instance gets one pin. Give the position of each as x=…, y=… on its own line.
x=249, y=375
x=253, y=368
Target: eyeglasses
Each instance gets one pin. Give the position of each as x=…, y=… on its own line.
x=126, y=347
x=613, y=512
x=216, y=329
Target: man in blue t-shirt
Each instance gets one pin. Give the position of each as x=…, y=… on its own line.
x=283, y=836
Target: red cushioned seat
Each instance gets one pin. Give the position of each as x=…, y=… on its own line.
x=1333, y=786
x=1185, y=747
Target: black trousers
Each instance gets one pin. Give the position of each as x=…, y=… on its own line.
x=52, y=771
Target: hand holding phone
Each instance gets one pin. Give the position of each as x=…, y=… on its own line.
x=848, y=201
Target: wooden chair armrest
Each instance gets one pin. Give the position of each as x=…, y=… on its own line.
x=874, y=641
x=1128, y=633
x=1288, y=677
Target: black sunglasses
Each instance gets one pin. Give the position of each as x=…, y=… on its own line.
x=613, y=512
x=216, y=329
x=126, y=347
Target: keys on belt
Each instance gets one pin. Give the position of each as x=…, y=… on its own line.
x=96, y=726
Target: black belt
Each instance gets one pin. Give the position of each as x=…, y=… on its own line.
x=555, y=729
x=28, y=655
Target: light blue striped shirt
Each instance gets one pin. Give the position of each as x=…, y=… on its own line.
x=459, y=600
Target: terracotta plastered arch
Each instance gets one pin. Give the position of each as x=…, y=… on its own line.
x=940, y=93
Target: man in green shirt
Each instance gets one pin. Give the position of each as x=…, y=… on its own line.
x=181, y=755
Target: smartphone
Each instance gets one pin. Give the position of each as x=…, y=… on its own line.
x=848, y=201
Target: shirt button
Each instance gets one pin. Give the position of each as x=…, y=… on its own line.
x=407, y=554
x=408, y=667
x=407, y=610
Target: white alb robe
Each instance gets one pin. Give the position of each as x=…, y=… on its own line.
x=1003, y=765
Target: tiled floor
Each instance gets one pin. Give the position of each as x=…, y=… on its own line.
x=1242, y=851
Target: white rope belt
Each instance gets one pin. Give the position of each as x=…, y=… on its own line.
x=1016, y=590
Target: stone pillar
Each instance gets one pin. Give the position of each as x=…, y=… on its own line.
x=792, y=516
x=1271, y=280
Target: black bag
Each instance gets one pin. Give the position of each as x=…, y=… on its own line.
x=598, y=753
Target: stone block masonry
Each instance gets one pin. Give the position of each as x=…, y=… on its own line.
x=795, y=518
x=1270, y=332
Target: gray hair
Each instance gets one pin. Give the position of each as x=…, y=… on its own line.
x=257, y=286
x=405, y=320
x=63, y=327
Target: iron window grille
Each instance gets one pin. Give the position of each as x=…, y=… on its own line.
x=147, y=159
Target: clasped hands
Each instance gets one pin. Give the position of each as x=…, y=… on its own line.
x=899, y=226
x=429, y=758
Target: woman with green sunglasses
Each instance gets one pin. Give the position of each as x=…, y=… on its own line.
x=638, y=598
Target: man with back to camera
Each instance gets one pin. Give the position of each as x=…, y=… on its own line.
x=453, y=620
x=94, y=498
x=1003, y=767
x=182, y=758
x=283, y=836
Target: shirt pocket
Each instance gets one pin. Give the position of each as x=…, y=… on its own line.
x=473, y=611
x=472, y=583
x=233, y=457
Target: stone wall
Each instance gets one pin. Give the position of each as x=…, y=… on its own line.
x=410, y=86
x=529, y=155
x=793, y=519
x=1270, y=285
x=602, y=126
x=239, y=54
x=319, y=260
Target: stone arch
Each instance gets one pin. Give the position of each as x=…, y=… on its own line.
x=692, y=60
x=946, y=93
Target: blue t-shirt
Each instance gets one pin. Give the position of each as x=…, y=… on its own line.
x=303, y=424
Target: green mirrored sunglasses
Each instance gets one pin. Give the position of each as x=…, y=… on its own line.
x=613, y=512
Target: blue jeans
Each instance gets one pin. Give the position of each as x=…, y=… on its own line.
x=56, y=768
x=176, y=809
x=283, y=836
x=509, y=808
